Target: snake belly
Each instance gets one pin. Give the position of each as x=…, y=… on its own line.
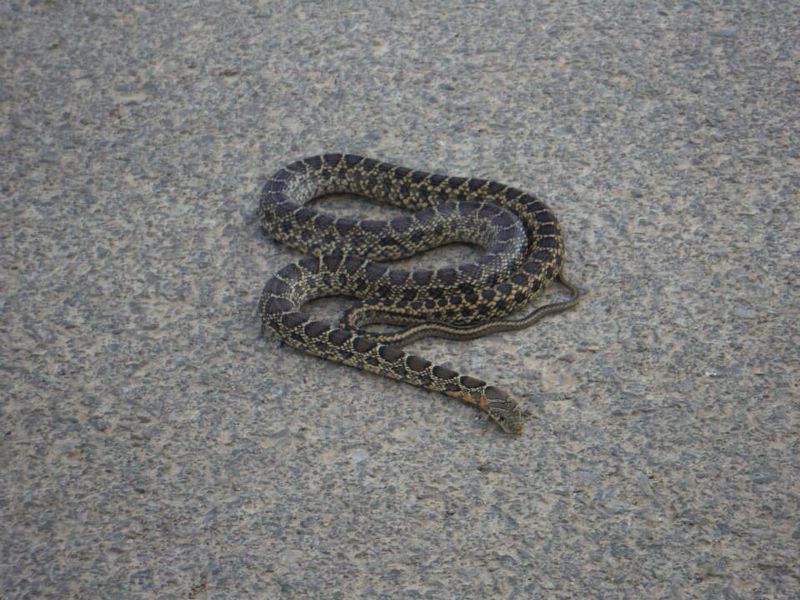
x=520, y=236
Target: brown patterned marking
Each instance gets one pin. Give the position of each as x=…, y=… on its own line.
x=345, y=225
x=415, y=363
x=471, y=382
x=422, y=277
x=352, y=160
x=390, y=353
x=282, y=210
x=339, y=336
x=538, y=207
x=277, y=181
x=277, y=287
x=369, y=164
x=332, y=261
x=309, y=263
x=315, y=162
x=362, y=344
x=519, y=279
x=476, y=184
x=275, y=304
x=410, y=294
x=315, y=328
x=532, y=267
x=372, y=226
x=293, y=319
x=398, y=277
x=303, y=214
x=375, y=271
x=332, y=159
x=425, y=216
x=324, y=220
x=541, y=255
x=456, y=182
x=504, y=219
x=489, y=211
x=353, y=263
x=447, y=275
x=443, y=372
x=548, y=229
x=469, y=272
x=401, y=224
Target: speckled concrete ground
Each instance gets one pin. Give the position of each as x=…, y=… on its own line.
x=155, y=445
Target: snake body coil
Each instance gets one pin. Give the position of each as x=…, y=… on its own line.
x=519, y=234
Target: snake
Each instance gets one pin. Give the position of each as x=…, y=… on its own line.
x=523, y=251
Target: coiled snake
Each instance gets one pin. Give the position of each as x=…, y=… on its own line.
x=344, y=256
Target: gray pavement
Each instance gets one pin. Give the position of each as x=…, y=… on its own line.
x=154, y=444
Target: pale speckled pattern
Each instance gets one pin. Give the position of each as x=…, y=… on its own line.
x=153, y=444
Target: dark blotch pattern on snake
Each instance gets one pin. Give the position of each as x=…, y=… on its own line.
x=523, y=251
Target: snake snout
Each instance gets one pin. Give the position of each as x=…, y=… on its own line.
x=503, y=409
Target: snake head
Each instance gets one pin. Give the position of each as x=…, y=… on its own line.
x=503, y=409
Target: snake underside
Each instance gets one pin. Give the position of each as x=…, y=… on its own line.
x=523, y=251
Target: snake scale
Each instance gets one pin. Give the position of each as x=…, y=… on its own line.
x=523, y=252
